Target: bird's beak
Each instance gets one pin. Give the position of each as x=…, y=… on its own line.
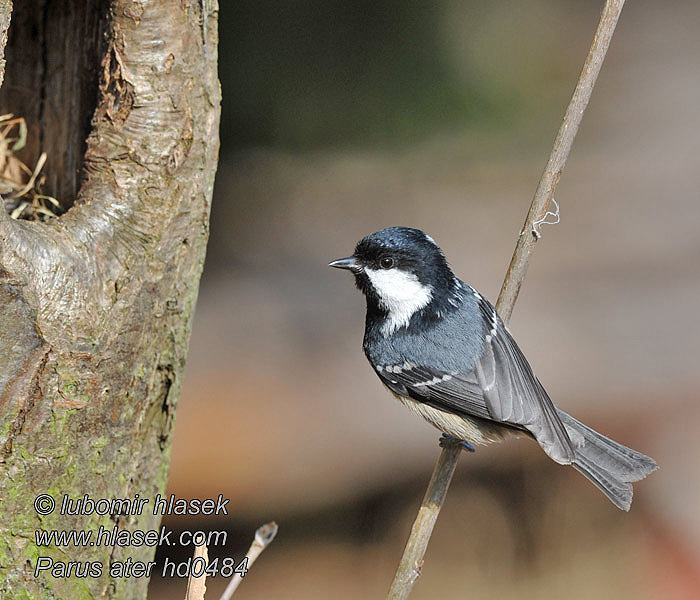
x=349, y=263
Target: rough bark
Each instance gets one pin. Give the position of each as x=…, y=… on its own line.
x=96, y=306
x=5, y=13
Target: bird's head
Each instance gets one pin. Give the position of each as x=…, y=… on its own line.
x=401, y=271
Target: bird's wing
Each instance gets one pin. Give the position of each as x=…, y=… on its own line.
x=453, y=392
x=513, y=394
x=501, y=387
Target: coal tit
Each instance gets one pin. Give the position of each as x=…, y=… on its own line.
x=442, y=349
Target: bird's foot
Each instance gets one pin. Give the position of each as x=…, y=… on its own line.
x=448, y=440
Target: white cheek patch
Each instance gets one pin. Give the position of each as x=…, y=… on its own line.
x=400, y=294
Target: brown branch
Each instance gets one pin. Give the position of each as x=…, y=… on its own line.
x=197, y=585
x=557, y=159
x=412, y=560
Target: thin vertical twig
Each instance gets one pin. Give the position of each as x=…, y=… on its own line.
x=412, y=560
x=557, y=159
x=263, y=536
x=197, y=586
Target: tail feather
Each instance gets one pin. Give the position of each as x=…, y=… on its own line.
x=609, y=465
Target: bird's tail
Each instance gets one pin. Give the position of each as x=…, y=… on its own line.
x=609, y=465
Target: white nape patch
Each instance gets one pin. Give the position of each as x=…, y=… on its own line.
x=431, y=240
x=400, y=294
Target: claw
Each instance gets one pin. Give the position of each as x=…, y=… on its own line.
x=448, y=440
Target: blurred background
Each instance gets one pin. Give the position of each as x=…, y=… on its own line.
x=341, y=118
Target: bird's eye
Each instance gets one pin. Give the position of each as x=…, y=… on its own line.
x=387, y=262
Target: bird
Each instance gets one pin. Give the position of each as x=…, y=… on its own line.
x=445, y=353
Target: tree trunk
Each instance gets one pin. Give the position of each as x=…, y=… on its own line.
x=96, y=305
